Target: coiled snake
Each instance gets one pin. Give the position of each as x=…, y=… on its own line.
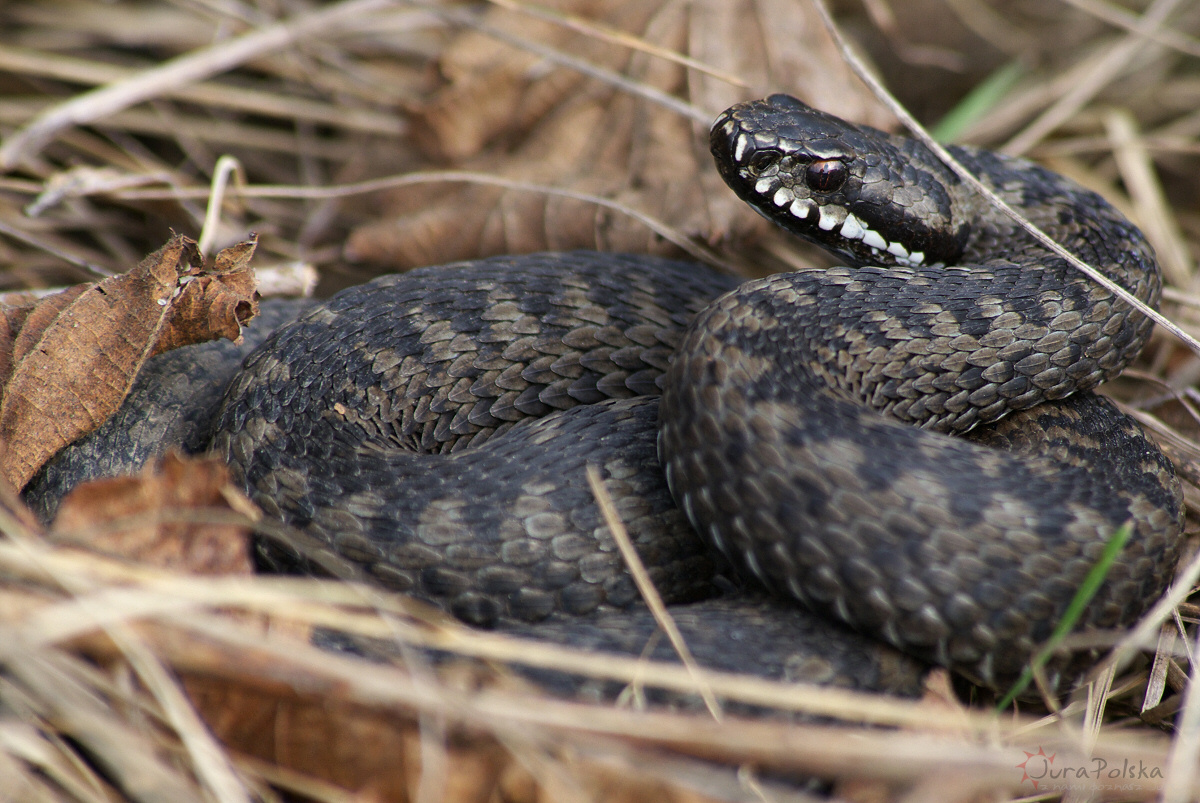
x=806, y=419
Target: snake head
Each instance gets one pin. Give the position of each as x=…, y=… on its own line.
x=869, y=197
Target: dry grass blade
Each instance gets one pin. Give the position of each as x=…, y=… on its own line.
x=127, y=757
x=1186, y=578
x=211, y=762
x=1130, y=22
x=619, y=37
x=1080, y=93
x=226, y=166
x=22, y=145
x=1158, y=672
x=1185, y=751
x=51, y=248
x=614, y=79
x=288, y=107
x=649, y=593
x=1154, y=214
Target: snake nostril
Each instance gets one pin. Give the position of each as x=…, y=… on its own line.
x=761, y=160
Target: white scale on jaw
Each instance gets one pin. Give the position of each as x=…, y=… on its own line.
x=829, y=217
x=852, y=229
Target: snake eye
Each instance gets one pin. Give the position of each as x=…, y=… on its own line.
x=762, y=159
x=826, y=175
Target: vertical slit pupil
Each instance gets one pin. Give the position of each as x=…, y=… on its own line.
x=826, y=175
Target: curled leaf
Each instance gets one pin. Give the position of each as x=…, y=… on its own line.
x=68, y=361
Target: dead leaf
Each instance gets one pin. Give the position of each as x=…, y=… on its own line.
x=27, y=323
x=323, y=739
x=69, y=360
x=157, y=518
x=213, y=304
x=492, y=88
x=385, y=755
x=506, y=111
x=17, y=511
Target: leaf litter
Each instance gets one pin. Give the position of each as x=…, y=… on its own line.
x=533, y=96
x=68, y=360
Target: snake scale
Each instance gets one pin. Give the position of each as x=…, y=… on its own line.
x=907, y=445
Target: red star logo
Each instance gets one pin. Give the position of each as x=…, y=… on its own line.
x=1028, y=755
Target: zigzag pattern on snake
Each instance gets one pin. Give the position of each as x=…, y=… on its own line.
x=805, y=420
x=908, y=445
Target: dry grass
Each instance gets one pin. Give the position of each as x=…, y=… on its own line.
x=416, y=131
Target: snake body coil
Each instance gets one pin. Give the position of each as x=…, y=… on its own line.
x=805, y=423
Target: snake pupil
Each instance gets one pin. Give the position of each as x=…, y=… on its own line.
x=826, y=175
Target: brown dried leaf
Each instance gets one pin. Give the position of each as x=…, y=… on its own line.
x=14, y=319
x=381, y=753
x=14, y=507
x=506, y=112
x=76, y=354
x=338, y=743
x=157, y=518
x=213, y=303
x=27, y=323
x=492, y=88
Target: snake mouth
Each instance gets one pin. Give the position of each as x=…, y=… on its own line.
x=834, y=184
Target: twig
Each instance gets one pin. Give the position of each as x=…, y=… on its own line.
x=697, y=250
x=261, y=103
x=29, y=239
x=186, y=69
x=226, y=166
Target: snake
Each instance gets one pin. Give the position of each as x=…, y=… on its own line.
x=907, y=444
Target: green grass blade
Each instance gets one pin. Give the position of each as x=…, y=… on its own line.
x=1087, y=589
x=979, y=100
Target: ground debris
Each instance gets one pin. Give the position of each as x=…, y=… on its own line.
x=68, y=360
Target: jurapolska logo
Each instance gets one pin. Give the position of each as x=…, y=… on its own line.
x=1043, y=764
x=1040, y=770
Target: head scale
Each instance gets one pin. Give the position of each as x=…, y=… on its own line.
x=858, y=192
